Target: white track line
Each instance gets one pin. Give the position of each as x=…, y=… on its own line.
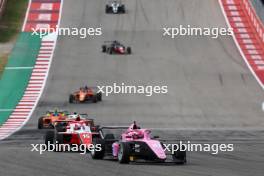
x=18, y=68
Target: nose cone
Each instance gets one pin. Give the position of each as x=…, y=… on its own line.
x=82, y=97
x=121, y=49
x=157, y=148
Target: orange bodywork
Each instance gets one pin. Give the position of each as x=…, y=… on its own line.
x=48, y=120
x=82, y=95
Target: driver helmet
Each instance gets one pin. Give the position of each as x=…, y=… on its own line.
x=78, y=118
x=77, y=127
x=135, y=126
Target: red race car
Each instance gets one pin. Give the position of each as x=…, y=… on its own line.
x=115, y=47
x=70, y=132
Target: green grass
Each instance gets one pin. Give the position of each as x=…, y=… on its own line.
x=12, y=19
x=3, y=62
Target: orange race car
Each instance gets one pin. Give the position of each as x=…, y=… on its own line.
x=47, y=121
x=86, y=94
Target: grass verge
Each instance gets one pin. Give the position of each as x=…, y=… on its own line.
x=3, y=62
x=12, y=19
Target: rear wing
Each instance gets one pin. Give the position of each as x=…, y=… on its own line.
x=109, y=41
x=111, y=1
x=114, y=127
x=90, y=87
x=72, y=120
x=60, y=111
x=67, y=120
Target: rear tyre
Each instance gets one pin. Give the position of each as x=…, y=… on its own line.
x=94, y=99
x=179, y=157
x=58, y=139
x=49, y=137
x=40, y=123
x=123, y=153
x=99, y=96
x=98, y=154
x=103, y=48
x=106, y=9
x=71, y=98
x=111, y=51
x=129, y=50
x=123, y=9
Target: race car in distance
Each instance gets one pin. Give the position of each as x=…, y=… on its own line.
x=134, y=145
x=115, y=7
x=85, y=94
x=115, y=47
x=47, y=120
x=74, y=115
x=76, y=131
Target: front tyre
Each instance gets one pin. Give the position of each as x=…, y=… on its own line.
x=179, y=157
x=103, y=48
x=40, y=123
x=129, y=50
x=98, y=154
x=107, y=9
x=49, y=137
x=123, y=153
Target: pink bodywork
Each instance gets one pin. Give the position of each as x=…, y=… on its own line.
x=143, y=135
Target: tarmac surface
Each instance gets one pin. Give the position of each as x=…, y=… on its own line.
x=212, y=96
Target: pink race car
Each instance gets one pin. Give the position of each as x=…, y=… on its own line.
x=134, y=145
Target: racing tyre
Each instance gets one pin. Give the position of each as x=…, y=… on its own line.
x=122, y=9
x=123, y=153
x=103, y=48
x=98, y=154
x=40, y=123
x=111, y=51
x=94, y=99
x=71, y=98
x=99, y=96
x=179, y=157
x=49, y=137
x=58, y=139
x=129, y=50
x=106, y=9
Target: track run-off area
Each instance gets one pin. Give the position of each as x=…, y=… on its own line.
x=212, y=95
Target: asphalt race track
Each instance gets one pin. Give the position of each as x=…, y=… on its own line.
x=212, y=96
